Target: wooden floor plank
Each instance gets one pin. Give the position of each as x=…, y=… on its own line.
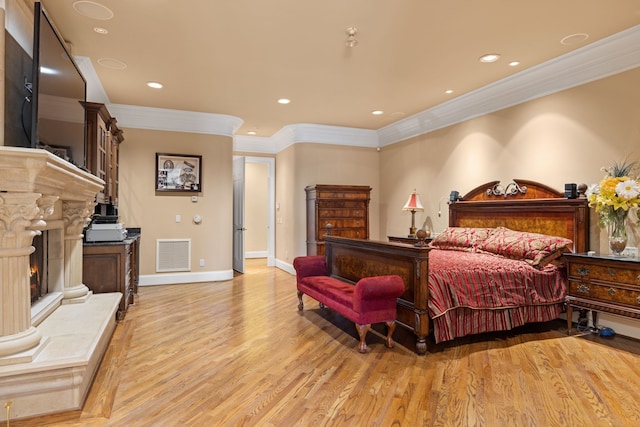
x=240, y=353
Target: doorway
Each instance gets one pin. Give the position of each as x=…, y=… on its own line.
x=262, y=221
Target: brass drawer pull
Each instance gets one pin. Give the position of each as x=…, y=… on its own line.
x=612, y=291
x=638, y=299
x=638, y=278
x=584, y=289
x=583, y=271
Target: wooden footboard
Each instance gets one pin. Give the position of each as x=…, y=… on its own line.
x=353, y=259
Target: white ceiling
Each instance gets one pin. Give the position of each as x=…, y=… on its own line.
x=239, y=57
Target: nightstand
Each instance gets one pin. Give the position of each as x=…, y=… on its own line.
x=603, y=283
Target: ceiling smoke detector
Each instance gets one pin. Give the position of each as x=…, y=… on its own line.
x=351, y=37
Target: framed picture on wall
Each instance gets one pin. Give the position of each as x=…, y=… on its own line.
x=178, y=172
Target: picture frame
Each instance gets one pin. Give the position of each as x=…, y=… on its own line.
x=178, y=172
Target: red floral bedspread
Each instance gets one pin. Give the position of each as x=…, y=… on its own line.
x=475, y=292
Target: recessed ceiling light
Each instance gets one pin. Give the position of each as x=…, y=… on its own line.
x=574, y=39
x=514, y=63
x=490, y=57
x=377, y=112
x=155, y=85
x=100, y=30
x=252, y=132
x=448, y=91
x=283, y=101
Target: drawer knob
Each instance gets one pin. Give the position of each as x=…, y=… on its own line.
x=638, y=278
x=638, y=299
x=612, y=291
x=583, y=271
x=612, y=272
x=583, y=288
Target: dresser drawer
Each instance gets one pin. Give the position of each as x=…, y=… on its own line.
x=344, y=223
x=605, y=273
x=341, y=213
x=354, y=233
x=616, y=293
x=333, y=195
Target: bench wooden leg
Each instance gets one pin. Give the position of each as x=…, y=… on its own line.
x=362, y=331
x=300, y=303
x=391, y=326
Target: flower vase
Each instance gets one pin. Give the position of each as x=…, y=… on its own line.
x=617, y=232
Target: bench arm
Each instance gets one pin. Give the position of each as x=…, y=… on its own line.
x=379, y=287
x=307, y=266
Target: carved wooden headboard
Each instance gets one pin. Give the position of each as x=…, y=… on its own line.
x=525, y=206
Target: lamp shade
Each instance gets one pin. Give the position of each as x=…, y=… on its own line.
x=413, y=204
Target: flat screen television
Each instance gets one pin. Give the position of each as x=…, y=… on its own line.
x=59, y=93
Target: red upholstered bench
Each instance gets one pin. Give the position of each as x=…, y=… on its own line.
x=371, y=300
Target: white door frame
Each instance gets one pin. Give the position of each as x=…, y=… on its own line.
x=271, y=204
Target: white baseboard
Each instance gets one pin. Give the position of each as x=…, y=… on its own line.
x=285, y=266
x=179, y=278
x=256, y=254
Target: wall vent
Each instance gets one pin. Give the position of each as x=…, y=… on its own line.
x=173, y=255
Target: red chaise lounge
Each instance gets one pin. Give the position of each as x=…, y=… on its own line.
x=371, y=300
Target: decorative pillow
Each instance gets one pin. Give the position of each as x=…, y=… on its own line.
x=461, y=238
x=536, y=249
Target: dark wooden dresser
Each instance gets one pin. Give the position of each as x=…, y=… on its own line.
x=345, y=207
x=113, y=267
x=603, y=283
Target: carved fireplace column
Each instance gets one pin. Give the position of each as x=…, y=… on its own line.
x=18, y=213
x=76, y=216
x=31, y=180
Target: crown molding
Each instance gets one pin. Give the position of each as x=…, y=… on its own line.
x=612, y=55
x=316, y=134
x=132, y=116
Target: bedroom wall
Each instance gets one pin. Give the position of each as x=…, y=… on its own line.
x=305, y=164
x=141, y=206
x=560, y=138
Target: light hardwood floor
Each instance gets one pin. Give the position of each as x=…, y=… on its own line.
x=239, y=353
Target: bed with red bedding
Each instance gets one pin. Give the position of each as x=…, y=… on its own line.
x=473, y=291
x=496, y=267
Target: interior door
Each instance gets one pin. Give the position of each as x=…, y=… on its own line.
x=238, y=214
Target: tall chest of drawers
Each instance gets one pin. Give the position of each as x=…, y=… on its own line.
x=345, y=207
x=603, y=283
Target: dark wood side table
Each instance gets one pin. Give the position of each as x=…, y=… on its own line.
x=603, y=283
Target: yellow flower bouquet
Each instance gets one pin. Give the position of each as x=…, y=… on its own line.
x=613, y=198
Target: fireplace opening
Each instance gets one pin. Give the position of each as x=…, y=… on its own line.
x=38, y=271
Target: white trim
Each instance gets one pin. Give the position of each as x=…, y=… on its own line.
x=285, y=266
x=179, y=278
x=603, y=58
x=95, y=91
x=256, y=254
x=131, y=116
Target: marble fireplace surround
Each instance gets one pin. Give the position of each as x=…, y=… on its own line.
x=49, y=352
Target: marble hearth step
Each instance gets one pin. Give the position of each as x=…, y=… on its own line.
x=75, y=337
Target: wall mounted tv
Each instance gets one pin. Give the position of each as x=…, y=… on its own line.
x=59, y=94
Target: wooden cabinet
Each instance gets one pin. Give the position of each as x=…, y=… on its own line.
x=112, y=267
x=603, y=283
x=345, y=207
x=103, y=140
